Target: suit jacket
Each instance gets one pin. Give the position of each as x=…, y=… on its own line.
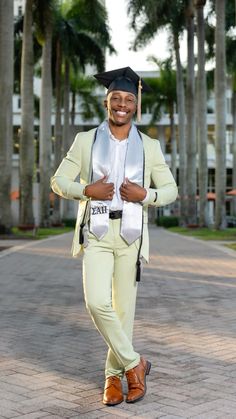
x=78, y=163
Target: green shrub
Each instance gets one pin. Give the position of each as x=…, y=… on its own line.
x=167, y=221
x=69, y=222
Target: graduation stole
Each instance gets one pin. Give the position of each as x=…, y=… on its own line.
x=131, y=222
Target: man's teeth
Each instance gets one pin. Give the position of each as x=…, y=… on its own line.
x=121, y=113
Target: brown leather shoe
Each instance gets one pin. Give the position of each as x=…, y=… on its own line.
x=136, y=378
x=113, y=393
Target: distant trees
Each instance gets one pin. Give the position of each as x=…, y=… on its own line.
x=171, y=16
x=163, y=100
x=78, y=32
x=148, y=18
x=74, y=33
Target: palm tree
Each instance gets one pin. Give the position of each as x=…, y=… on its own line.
x=90, y=104
x=6, y=91
x=56, y=219
x=202, y=115
x=163, y=98
x=68, y=207
x=158, y=15
x=44, y=19
x=234, y=137
x=220, y=113
x=26, y=164
x=191, y=124
x=81, y=35
x=180, y=90
x=234, y=143
x=231, y=66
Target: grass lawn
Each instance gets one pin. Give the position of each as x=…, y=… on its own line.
x=41, y=233
x=232, y=246
x=207, y=233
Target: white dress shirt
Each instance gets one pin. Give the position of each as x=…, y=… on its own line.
x=116, y=176
x=118, y=153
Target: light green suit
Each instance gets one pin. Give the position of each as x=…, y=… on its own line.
x=110, y=264
x=77, y=163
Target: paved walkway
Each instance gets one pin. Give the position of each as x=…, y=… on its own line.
x=51, y=357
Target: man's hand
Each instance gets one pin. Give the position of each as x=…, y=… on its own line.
x=100, y=190
x=131, y=192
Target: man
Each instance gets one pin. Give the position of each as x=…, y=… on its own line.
x=116, y=165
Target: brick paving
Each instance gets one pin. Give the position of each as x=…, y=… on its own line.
x=52, y=358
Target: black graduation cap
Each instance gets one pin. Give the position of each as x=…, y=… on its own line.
x=126, y=80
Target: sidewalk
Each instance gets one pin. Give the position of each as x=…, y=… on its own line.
x=52, y=358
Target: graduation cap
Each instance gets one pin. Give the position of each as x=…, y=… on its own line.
x=126, y=80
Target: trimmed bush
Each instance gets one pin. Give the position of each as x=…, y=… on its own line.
x=167, y=221
x=69, y=222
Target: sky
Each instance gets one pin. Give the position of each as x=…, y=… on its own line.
x=122, y=38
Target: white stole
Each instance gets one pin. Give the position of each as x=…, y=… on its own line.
x=131, y=223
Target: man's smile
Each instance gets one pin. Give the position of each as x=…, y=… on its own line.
x=121, y=113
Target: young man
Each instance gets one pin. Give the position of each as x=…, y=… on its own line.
x=116, y=165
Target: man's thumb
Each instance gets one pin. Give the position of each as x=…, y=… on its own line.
x=104, y=179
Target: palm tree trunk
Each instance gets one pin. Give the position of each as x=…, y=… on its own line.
x=220, y=115
x=27, y=120
x=173, y=143
x=234, y=147
x=73, y=110
x=68, y=206
x=201, y=116
x=181, y=129
x=66, y=103
x=45, y=130
x=190, y=112
x=162, y=138
x=58, y=132
x=6, y=92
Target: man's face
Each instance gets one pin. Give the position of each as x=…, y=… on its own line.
x=121, y=107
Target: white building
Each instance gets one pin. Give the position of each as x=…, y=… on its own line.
x=19, y=8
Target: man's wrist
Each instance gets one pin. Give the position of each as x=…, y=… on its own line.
x=85, y=191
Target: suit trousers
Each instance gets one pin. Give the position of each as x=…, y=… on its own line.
x=110, y=289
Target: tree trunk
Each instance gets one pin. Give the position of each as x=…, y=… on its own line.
x=58, y=133
x=181, y=129
x=27, y=120
x=6, y=92
x=73, y=110
x=220, y=115
x=68, y=206
x=173, y=143
x=190, y=111
x=161, y=137
x=66, y=105
x=45, y=130
x=201, y=117
x=234, y=147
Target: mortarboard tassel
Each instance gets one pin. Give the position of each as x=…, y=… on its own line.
x=139, y=101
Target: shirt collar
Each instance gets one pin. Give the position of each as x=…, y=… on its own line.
x=112, y=137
